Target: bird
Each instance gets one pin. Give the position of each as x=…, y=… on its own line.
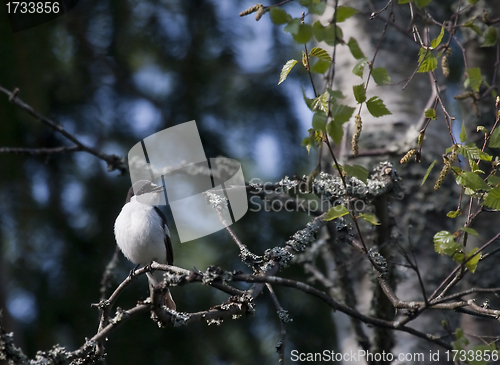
x=142, y=234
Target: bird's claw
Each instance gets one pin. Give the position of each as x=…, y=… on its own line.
x=148, y=267
x=132, y=272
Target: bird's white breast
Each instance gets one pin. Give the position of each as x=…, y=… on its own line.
x=140, y=233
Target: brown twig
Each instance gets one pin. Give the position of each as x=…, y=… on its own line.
x=39, y=151
x=114, y=162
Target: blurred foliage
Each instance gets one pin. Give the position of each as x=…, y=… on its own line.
x=113, y=72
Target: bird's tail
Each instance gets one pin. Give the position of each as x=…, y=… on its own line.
x=155, y=279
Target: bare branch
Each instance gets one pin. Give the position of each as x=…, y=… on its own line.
x=39, y=151
x=283, y=316
x=114, y=162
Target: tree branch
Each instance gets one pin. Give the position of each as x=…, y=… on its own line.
x=114, y=162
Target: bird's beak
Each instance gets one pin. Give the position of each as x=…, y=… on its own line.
x=158, y=189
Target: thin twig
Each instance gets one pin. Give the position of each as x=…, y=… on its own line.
x=114, y=162
x=39, y=151
x=281, y=345
x=434, y=297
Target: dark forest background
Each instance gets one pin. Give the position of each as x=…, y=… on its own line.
x=112, y=73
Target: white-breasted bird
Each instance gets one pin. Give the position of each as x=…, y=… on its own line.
x=141, y=232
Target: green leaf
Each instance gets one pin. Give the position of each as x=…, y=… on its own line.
x=369, y=218
x=474, y=167
x=323, y=98
x=304, y=34
x=430, y=113
x=473, y=2
x=317, y=8
x=293, y=26
x=341, y=113
x=345, y=12
x=404, y=1
x=471, y=151
x=422, y=53
x=359, y=92
x=437, y=41
x=471, y=265
x=474, y=78
x=336, y=94
x=279, y=16
x=469, y=230
x=335, y=212
x=494, y=141
x=286, y=70
x=320, y=53
x=422, y=3
x=490, y=37
x=381, y=76
x=463, y=133
x=459, y=334
x=475, y=28
x=428, y=172
x=471, y=180
x=493, y=180
x=321, y=66
x=319, y=121
x=429, y=63
x=318, y=31
x=340, y=169
x=360, y=67
x=332, y=34
x=306, y=142
x=376, y=107
x=480, y=350
x=453, y=214
x=354, y=48
x=444, y=243
x=309, y=102
x=320, y=103
x=459, y=256
x=461, y=341
x=492, y=200
x=357, y=171
x=470, y=192
x=335, y=131
x=480, y=128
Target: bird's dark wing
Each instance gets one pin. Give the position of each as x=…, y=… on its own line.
x=168, y=243
x=129, y=195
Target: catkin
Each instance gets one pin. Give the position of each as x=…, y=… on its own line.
x=420, y=138
x=408, y=155
x=260, y=12
x=465, y=95
x=355, y=136
x=444, y=63
x=252, y=9
x=442, y=175
x=448, y=162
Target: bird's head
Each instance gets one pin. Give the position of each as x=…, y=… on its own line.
x=143, y=188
